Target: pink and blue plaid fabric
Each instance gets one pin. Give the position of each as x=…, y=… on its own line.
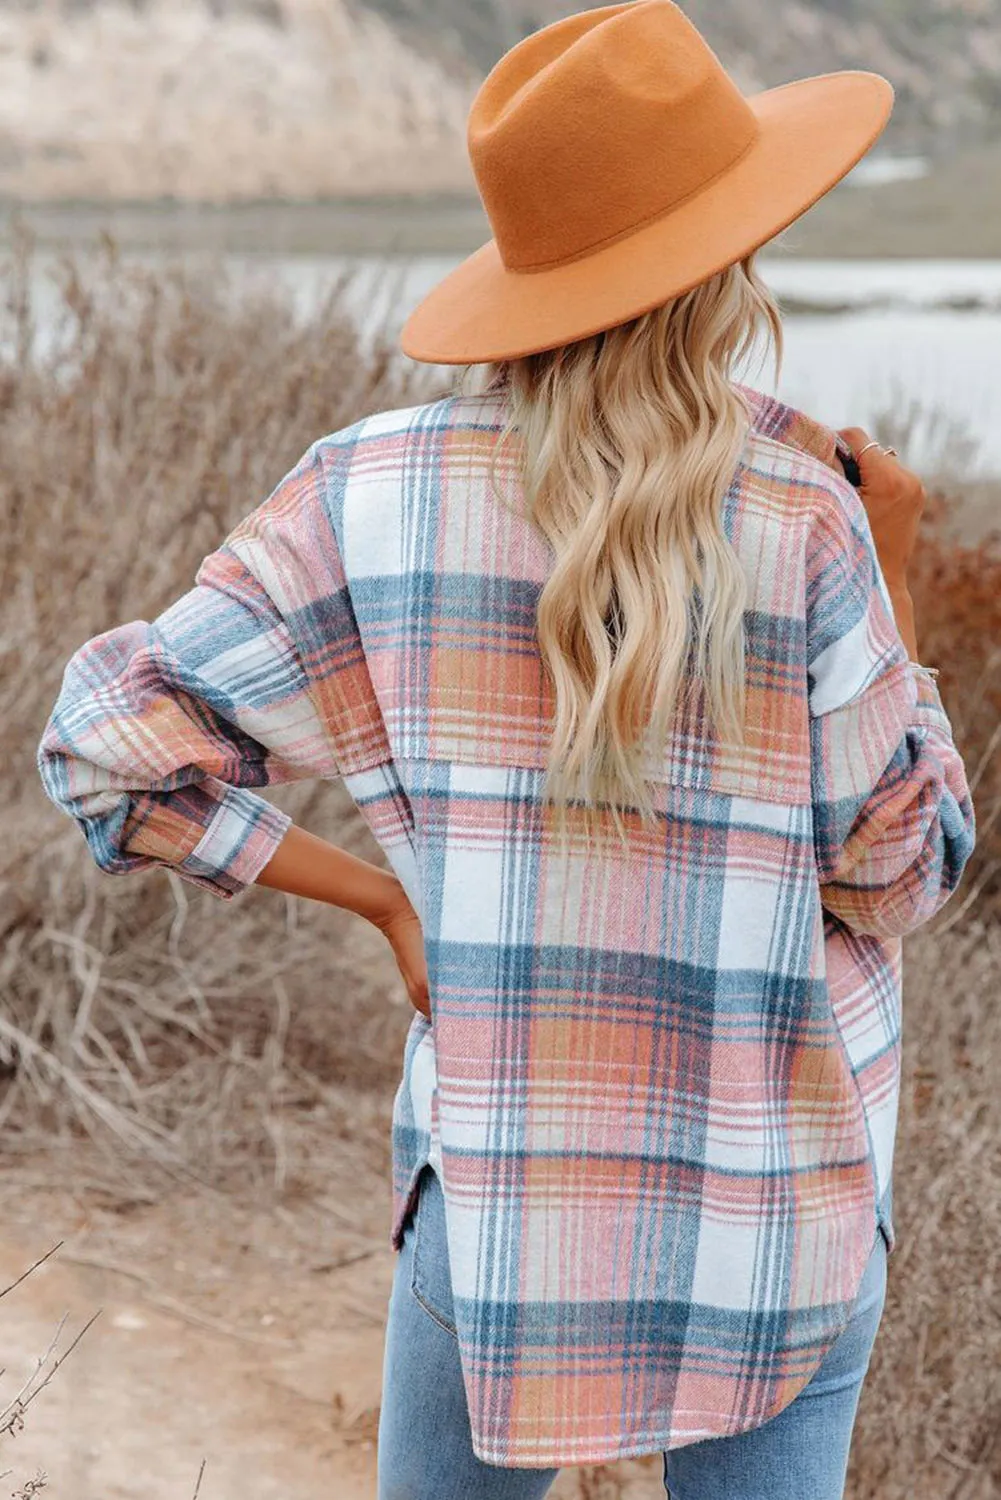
x=660, y=1086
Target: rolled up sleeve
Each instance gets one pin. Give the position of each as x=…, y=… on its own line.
x=164, y=733
x=894, y=823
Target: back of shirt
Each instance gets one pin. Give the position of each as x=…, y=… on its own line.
x=661, y=1080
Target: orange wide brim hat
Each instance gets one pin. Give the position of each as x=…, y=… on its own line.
x=620, y=165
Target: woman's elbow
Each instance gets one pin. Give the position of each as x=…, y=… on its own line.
x=100, y=812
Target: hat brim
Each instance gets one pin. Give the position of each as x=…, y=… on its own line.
x=812, y=132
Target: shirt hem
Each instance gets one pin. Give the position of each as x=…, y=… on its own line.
x=498, y=1454
x=408, y=1204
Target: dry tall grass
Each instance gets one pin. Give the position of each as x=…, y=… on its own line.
x=147, y=1029
x=161, y=410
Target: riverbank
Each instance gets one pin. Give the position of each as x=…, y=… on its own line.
x=952, y=212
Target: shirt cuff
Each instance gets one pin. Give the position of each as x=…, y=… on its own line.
x=212, y=834
x=929, y=710
x=239, y=841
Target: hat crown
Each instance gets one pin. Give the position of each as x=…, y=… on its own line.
x=599, y=124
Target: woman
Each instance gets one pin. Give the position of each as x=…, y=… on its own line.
x=622, y=672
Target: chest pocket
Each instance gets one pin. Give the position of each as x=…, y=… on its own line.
x=469, y=686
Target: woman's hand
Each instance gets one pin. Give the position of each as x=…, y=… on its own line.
x=894, y=499
x=402, y=927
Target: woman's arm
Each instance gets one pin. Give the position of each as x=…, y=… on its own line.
x=893, y=817
x=164, y=731
x=903, y=614
x=305, y=865
x=894, y=499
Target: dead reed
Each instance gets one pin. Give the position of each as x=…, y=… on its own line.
x=13, y=1408
x=149, y=1031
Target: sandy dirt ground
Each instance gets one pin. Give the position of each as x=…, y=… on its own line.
x=249, y=1337
x=219, y=1338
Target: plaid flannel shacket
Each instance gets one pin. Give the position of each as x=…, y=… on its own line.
x=661, y=1086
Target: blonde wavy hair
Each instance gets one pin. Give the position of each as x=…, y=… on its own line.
x=629, y=440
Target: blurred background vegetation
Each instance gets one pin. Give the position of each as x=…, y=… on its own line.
x=197, y=1096
x=177, y=104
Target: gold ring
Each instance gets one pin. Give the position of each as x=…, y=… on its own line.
x=892, y=451
x=873, y=444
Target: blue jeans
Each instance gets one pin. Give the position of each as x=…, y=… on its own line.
x=425, y=1452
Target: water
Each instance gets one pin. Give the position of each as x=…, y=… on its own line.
x=889, y=283
x=921, y=339
x=905, y=337
x=873, y=170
